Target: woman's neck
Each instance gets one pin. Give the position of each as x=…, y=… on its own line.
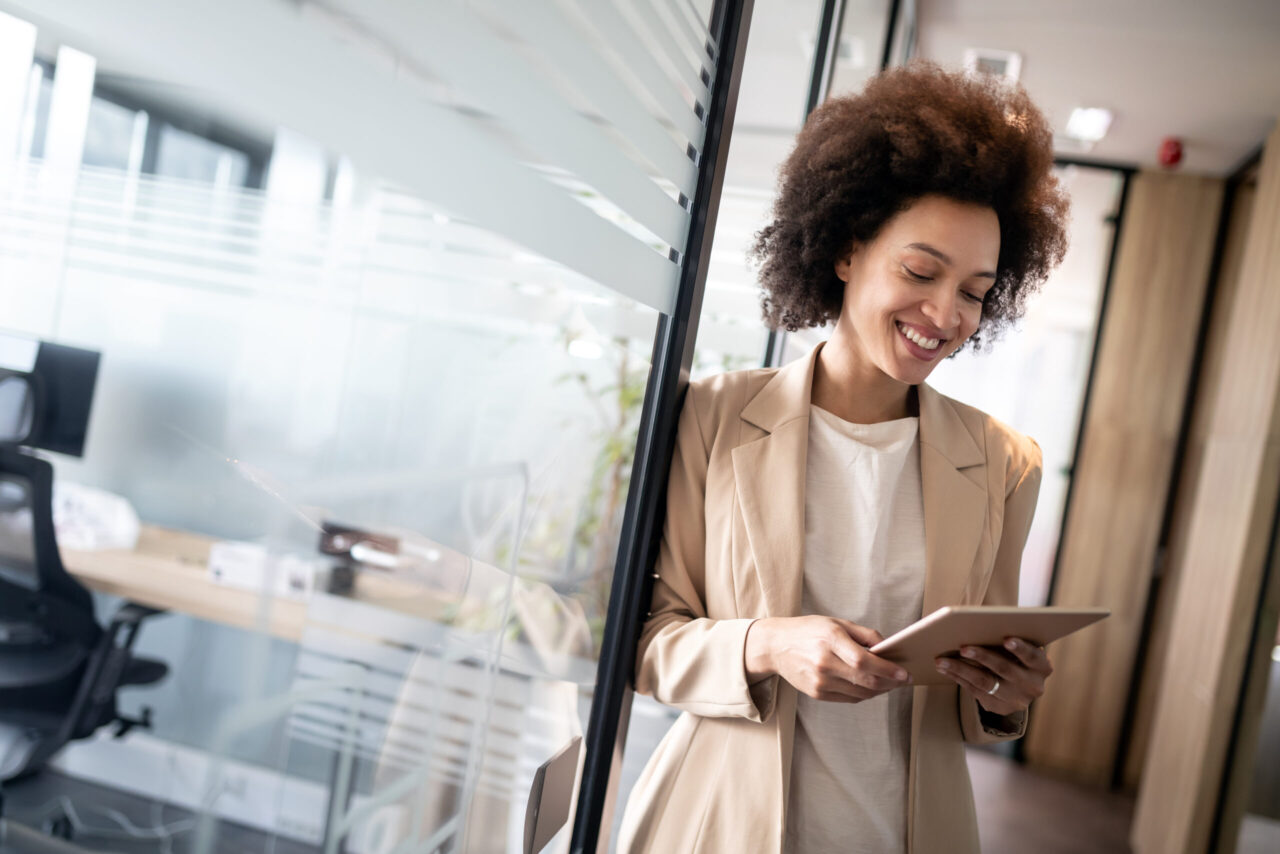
x=848, y=385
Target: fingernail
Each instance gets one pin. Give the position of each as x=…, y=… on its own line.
x=1011, y=644
x=901, y=675
x=944, y=665
x=967, y=652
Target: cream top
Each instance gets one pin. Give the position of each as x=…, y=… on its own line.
x=864, y=561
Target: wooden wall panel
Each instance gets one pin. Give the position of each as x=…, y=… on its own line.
x=1125, y=465
x=1227, y=538
x=1188, y=478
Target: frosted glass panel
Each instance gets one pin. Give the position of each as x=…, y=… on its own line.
x=471, y=113
x=376, y=421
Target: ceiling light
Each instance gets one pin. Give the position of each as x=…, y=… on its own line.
x=997, y=63
x=1088, y=124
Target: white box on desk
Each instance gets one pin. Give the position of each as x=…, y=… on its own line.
x=254, y=567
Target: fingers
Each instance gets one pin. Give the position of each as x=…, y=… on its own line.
x=869, y=670
x=861, y=668
x=834, y=680
x=979, y=682
x=1008, y=669
x=1033, y=657
x=863, y=635
x=825, y=658
x=1025, y=683
x=843, y=692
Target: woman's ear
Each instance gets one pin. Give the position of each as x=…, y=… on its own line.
x=844, y=266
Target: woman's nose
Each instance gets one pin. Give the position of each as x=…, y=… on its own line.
x=943, y=311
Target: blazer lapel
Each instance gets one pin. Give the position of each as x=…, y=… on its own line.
x=770, y=475
x=953, y=482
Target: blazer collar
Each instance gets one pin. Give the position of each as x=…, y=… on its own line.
x=770, y=474
x=789, y=392
x=786, y=396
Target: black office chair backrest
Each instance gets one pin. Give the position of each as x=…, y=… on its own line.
x=39, y=600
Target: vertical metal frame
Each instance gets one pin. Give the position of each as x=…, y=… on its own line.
x=826, y=50
x=646, y=498
x=890, y=34
x=1126, y=172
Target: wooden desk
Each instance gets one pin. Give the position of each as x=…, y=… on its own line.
x=168, y=570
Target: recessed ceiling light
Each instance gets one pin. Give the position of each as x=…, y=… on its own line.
x=1088, y=124
x=997, y=63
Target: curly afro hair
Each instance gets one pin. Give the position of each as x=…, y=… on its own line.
x=914, y=131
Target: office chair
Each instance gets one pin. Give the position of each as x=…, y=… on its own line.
x=59, y=670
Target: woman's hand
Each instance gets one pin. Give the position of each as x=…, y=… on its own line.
x=1016, y=673
x=823, y=657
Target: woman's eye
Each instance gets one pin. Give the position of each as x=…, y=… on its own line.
x=919, y=277
x=972, y=297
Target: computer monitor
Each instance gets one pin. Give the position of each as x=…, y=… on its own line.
x=46, y=392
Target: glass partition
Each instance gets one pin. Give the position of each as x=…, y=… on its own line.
x=1036, y=376
x=364, y=422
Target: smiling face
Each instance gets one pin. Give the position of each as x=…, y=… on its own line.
x=913, y=295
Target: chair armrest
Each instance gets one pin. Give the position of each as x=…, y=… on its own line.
x=130, y=615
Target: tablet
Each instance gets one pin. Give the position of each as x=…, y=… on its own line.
x=943, y=632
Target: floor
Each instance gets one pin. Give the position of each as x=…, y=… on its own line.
x=1020, y=811
x=1259, y=835
x=120, y=822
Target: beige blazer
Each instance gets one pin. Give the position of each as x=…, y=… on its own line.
x=733, y=551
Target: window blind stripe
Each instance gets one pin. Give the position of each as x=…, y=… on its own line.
x=465, y=55
x=383, y=120
x=695, y=40
x=616, y=103
x=685, y=71
x=700, y=23
x=639, y=63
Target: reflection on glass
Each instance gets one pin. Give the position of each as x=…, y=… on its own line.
x=111, y=135
x=1034, y=378
x=432, y=339
x=17, y=546
x=861, y=44
x=193, y=158
x=775, y=82
x=1259, y=828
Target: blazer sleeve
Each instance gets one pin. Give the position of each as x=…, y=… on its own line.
x=978, y=725
x=684, y=658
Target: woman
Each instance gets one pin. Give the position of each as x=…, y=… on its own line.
x=814, y=509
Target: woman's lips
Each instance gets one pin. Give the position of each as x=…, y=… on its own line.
x=917, y=342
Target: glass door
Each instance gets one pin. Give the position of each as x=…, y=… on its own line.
x=376, y=289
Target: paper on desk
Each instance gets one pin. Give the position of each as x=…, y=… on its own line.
x=85, y=518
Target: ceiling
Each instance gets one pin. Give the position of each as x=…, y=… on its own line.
x=1208, y=72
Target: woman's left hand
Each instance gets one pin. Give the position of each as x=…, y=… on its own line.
x=1003, y=681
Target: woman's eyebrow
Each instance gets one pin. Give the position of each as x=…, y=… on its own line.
x=946, y=259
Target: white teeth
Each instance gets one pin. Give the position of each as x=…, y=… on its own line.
x=926, y=343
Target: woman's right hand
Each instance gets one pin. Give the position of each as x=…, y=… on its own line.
x=823, y=657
